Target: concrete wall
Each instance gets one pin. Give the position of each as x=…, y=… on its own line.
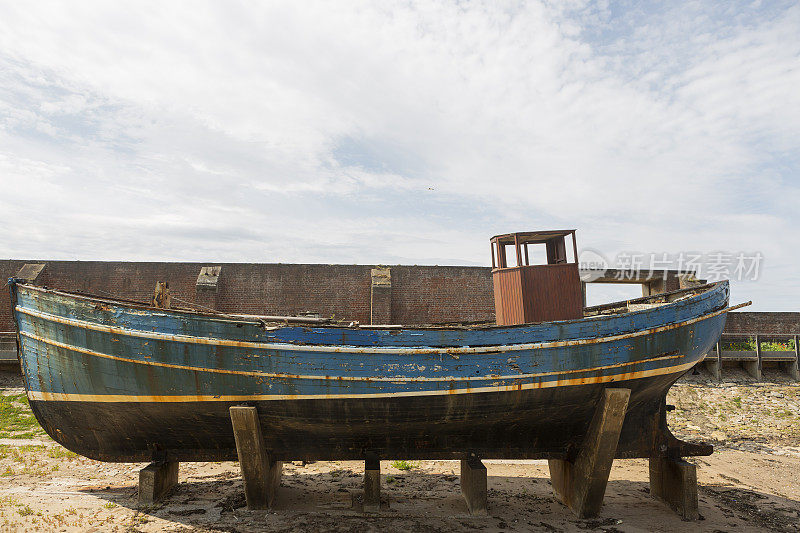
x=412, y=294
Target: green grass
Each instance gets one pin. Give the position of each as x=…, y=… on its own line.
x=18, y=453
x=404, y=465
x=59, y=452
x=25, y=511
x=16, y=419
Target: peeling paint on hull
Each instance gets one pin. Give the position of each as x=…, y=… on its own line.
x=118, y=382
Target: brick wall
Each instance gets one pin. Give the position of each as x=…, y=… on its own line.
x=419, y=294
x=431, y=294
x=765, y=323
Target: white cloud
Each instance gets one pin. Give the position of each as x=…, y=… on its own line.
x=404, y=132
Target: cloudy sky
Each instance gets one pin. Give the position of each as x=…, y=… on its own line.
x=401, y=132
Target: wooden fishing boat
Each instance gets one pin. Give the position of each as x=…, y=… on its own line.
x=117, y=380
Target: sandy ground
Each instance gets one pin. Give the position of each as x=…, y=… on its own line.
x=750, y=483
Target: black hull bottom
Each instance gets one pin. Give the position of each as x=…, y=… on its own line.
x=525, y=424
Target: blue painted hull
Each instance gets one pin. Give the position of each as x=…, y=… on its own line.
x=124, y=382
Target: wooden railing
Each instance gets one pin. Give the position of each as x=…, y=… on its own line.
x=752, y=360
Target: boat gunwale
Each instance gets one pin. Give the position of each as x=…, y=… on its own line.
x=340, y=348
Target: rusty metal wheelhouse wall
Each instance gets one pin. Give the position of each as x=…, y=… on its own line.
x=537, y=294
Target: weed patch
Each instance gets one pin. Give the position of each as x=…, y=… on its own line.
x=25, y=511
x=59, y=452
x=405, y=465
x=16, y=419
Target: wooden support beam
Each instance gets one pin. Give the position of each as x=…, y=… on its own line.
x=156, y=480
x=260, y=472
x=161, y=297
x=372, y=484
x=674, y=482
x=473, y=485
x=581, y=483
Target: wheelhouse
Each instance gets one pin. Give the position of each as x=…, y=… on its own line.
x=525, y=292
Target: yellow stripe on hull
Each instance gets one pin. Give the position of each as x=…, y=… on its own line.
x=112, y=398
